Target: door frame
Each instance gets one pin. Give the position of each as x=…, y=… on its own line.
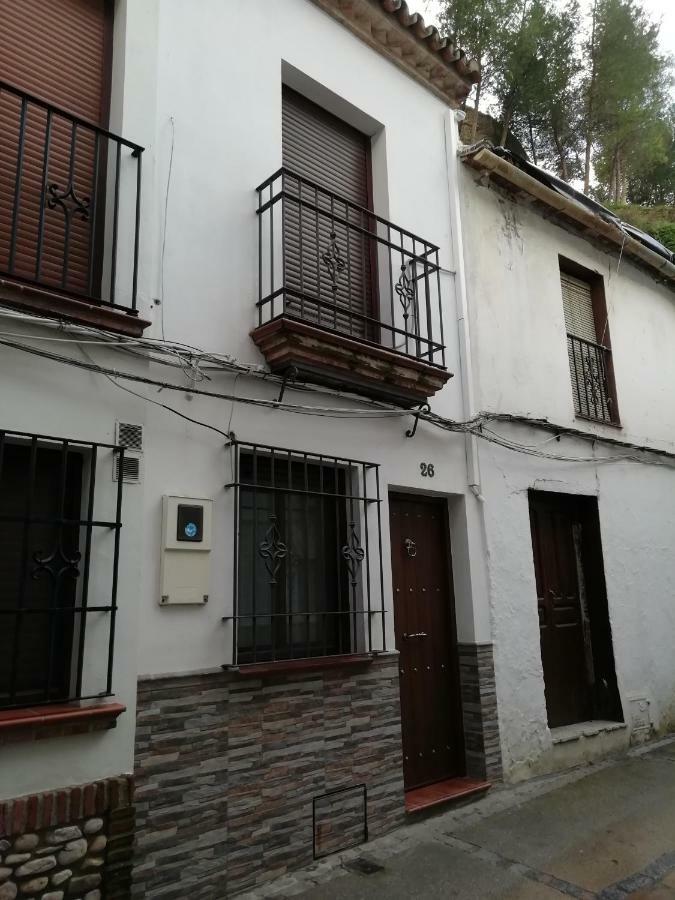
x=441, y=501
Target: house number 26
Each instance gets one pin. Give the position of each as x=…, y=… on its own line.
x=427, y=470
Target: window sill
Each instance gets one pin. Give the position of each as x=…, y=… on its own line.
x=56, y=721
x=54, y=305
x=616, y=425
x=257, y=670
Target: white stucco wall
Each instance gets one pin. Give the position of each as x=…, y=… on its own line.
x=37, y=396
x=517, y=318
x=521, y=367
x=211, y=83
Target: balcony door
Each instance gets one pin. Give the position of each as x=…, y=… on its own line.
x=328, y=255
x=50, y=170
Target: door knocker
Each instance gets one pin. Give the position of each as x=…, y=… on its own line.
x=410, y=547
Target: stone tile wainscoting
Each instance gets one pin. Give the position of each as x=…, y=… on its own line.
x=75, y=843
x=228, y=767
x=479, y=711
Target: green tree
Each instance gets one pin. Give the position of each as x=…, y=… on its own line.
x=625, y=88
x=547, y=113
x=479, y=27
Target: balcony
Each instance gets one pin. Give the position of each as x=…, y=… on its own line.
x=69, y=215
x=346, y=298
x=592, y=380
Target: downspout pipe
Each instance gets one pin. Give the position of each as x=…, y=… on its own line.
x=463, y=326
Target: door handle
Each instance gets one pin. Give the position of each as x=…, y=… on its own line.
x=415, y=634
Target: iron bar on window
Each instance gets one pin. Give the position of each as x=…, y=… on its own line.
x=53, y=548
x=74, y=215
x=308, y=574
x=589, y=366
x=345, y=269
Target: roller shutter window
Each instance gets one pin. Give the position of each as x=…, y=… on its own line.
x=60, y=52
x=578, y=306
x=336, y=157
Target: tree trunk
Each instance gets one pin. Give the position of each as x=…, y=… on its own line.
x=474, y=129
x=589, y=108
x=533, y=147
x=506, y=122
x=587, y=164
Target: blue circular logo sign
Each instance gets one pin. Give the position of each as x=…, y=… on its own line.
x=190, y=530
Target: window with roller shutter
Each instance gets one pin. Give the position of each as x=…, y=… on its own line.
x=64, y=59
x=588, y=347
x=333, y=161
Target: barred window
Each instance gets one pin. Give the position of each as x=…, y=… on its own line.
x=588, y=347
x=57, y=612
x=308, y=578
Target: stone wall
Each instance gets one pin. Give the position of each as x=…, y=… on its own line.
x=74, y=843
x=479, y=711
x=227, y=768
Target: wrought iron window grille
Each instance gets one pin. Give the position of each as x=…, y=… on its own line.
x=329, y=262
x=308, y=576
x=591, y=390
x=74, y=209
x=59, y=554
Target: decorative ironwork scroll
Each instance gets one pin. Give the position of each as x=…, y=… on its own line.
x=68, y=201
x=273, y=550
x=56, y=564
x=406, y=292
x=353, y=554
x=333, y=261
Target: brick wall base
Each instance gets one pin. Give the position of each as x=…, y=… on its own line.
x=227, y=768
x=74, y=843
x=479, y=711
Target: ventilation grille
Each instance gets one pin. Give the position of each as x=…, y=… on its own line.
x=129, y=436
x=131, y=469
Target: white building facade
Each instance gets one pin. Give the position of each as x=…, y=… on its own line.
x=253, y=307
x=571, y=320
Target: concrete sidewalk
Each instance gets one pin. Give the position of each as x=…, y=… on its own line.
x=605, y=831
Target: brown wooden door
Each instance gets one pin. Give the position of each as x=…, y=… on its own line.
x=60, y=52
x=564, y=626
x=335, y=157
x=425, y=638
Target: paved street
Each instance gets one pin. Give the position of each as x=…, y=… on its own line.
x=605, y=831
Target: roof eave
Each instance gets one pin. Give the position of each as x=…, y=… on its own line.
x=567, y=210
x=402, y=37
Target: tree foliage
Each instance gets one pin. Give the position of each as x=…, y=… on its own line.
x=583, y=90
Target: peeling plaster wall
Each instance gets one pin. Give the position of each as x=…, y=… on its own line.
x=518, y=323
x=520, y=366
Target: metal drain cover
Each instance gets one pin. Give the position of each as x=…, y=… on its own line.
x=363, y=866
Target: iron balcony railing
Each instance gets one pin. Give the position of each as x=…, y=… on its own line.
x=329, y=262
x=590, y=368
x=60, y=528
x=69, y=203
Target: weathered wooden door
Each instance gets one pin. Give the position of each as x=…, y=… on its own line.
x=425, y=637
x=564, y=623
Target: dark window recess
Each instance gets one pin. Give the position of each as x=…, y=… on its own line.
x=49, y=619
x=588, y=345
x=308, y=579
x=575, y=632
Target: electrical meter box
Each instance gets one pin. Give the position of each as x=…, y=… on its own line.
x=186, y=550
